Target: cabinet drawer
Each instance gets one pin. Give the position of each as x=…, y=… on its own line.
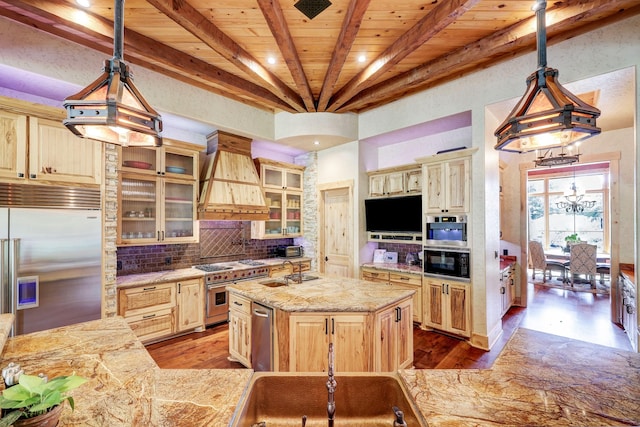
x=374, y=275
x=304, y=266
x=239, y=303
x=152, y=325
x=146, y=299
x=279, y=270
x=406, y=279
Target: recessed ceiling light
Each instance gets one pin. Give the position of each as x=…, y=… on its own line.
x=316, y=142
x=362, y=58
x=84, y=3
x=271, y=60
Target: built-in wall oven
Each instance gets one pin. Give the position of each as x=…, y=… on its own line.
x=216, y=280
x=447, y=262
x=446, y=230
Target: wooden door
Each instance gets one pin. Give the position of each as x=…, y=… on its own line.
x=459, y=309
x=457, y=186
x=336, y=232
x=385, y=345
x=433, y=201
x=350, y=343
x=308, y=343
x=13, y=146
x=190, y=305
x=404, y=335
x=56, y=155
x=433, y=304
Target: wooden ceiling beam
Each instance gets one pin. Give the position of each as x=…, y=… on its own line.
x=431, y=24
x=569, y=19
x=348, y=32
x=274, y=16
x=185, y=15
x=57, y=17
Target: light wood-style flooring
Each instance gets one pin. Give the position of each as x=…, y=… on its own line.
x=576, y=315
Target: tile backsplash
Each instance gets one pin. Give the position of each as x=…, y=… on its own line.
x=401, y=248
x=220, y=241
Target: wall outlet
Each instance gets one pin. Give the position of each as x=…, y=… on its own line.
x=167, y=261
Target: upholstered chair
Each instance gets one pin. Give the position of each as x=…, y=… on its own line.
x=583, y=261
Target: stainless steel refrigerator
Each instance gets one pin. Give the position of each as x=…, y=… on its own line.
x=50, y=266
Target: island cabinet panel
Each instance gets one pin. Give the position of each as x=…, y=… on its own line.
x=190, y=307
x=310, y=335
x=447, y=306
x=394, y=344
x=240, y=329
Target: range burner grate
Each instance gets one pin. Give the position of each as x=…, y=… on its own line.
x=251, y=262
x=209, y=268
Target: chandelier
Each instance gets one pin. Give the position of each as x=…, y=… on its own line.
x=111, y=109
x=548, y=159
x=574, y=202
x=548, y=115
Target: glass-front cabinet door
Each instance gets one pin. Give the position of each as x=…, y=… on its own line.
x=292, y=214
x=273, y=226
x=138, y=210
x=179, y=213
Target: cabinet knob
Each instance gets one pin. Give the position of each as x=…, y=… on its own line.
x=20, y=175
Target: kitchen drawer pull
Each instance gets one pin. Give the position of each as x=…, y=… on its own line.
x=405, y=278
x=326, y=326
x=149, y=289
x=238, y=303
x=149, y=316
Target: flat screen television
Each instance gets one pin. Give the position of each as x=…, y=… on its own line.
x=401, y=214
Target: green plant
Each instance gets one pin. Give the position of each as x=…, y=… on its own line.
x=572, y=238
x=34, y=395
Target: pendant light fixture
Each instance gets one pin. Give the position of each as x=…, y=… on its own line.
x=111, y=109
x=564, y=158
x=574, y=202
x=548, y=115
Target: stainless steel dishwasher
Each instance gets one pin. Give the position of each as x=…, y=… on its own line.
x=261, y=337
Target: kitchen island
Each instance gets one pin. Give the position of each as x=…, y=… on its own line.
x=539, y=379
x=370, y=324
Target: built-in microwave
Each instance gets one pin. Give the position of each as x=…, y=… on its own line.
x=447, y=262
x=446, y=230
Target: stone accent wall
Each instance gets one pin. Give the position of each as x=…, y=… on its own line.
x=110, y=218
x=310, y=214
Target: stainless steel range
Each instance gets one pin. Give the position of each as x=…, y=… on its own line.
x=218, y=277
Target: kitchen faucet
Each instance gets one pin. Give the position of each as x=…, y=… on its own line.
x=293, y=270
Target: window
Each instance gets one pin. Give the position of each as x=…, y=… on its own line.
x=569, y=200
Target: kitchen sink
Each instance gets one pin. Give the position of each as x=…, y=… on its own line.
x=280, y=399
x=273, y=283
x=305, y=277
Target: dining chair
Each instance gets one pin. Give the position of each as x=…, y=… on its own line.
x=539, y=261
x=583, y=261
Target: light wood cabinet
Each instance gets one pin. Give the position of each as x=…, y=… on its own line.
x=190, y=298
x=393, y=326
x=283, y=186
x=149, y=310
x=507, y=288
x=395, y=181
x=163, y=309
x=158, y=195
x=447, y=306
x=44, y=151
x=240, y=329
x=311, y=335
x=403, y=280
x=447, y=186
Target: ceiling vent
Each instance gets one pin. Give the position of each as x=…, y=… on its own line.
x=230, y=185
x=312, y=8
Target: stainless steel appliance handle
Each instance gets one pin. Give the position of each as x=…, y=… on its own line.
x=260, y=313
x=14, y=262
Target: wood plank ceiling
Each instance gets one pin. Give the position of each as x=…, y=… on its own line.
x=224, y=46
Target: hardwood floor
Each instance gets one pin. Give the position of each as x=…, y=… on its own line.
x=576, y=315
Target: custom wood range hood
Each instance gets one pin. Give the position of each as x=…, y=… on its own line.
x=229, y=183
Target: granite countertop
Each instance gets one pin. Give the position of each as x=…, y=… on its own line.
x=539, y=379
x=126, y=387
x=392, y=266
x=323, y=294
x=191, y=273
